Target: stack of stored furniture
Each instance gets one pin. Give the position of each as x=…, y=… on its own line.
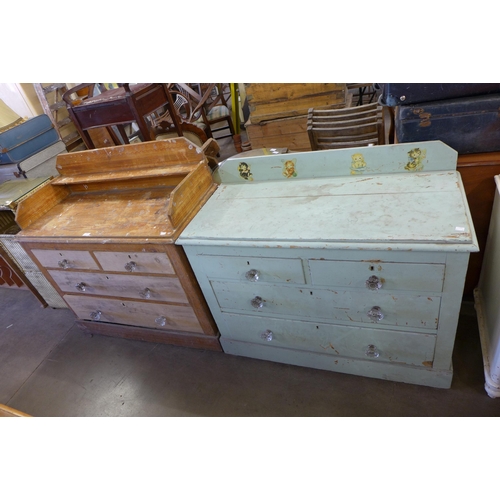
x=12, y=192
x=464, y=116
x=278, y=112
x=103, y=234
x=350, y=260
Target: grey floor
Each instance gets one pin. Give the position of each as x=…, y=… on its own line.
x=50, y=368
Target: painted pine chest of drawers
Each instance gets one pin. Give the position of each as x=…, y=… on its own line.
x=103, y=234
x=348, y=260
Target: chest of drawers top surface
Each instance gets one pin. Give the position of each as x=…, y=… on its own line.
x=137, y=191
x=374, y=198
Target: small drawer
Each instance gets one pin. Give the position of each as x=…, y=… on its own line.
x=378, y=275
x=254, y=269
x=127, y=312
x=350, y=342
x=155, y=288
x=156, y=263
x=65, y=259
x=350, y=306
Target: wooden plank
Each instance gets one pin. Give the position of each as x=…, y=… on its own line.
x=122, y=175
x=7, y=411
x=133, y=214
x=39, y=203
x=186, y=196
x=192, y=289
x=288, y=133
x=144, y=155
x=268, y=101
x=199, y=341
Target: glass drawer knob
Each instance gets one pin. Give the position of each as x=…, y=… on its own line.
x=372, y=351
x=257, y=302
x=375, y=313
x=81, y=287
x=161, y=321
x=64, y=264
x=95, y=315
x=252, y=275
x=374, y=283
x=146, y=293
x=131, y=266
x=267, y=335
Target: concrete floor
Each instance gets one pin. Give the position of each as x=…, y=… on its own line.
x=50, y=368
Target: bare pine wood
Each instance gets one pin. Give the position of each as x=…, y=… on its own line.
x=7, y=411
x=152, y=154
x=290, y=133
x=39, y=203
x=270, y=101
x=187, y=195
x=108, y=244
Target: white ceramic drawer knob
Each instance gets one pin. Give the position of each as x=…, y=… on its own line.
x=131, y=266
x=161, y=321
x=252, y=275
x=95, y=315
x=81, y=287
x=267, y=335
x=64, y=264
x=373, y=283
x=372, y=351
x=375, y=313
x=146, y=293
x=257, y=302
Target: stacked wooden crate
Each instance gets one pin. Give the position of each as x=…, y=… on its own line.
x=278, y=112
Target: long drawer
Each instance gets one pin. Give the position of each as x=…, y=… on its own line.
x=127, y=312
x=155, y=288
x=346, y=341
x=397, y=310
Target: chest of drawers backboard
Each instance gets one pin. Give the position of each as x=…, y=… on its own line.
x=347, y=260
x=103, y=234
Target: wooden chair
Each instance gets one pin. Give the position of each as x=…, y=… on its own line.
x=117, y=107
x=345, y=127
x=206, y=106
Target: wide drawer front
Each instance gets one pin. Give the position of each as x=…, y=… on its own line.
x=378, y=275
x=141, y=262
x=400, y=310
x=66, y=259
x=127, y=312
x=346, y=341
x=262, y=269
x=155, y=288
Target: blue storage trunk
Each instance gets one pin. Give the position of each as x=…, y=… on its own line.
x=468, y=125
x=27, y=139
x=399, y=94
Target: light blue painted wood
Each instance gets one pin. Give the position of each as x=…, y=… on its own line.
x=386, y=212
x=374, y=160
x=259, y=269
x=388, y=275
x=346, y=341
x=398, y=372
x=345, y=306
x=317, y=237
